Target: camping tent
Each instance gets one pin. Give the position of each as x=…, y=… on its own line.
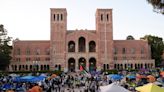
x=113, y=88
x=150, y=87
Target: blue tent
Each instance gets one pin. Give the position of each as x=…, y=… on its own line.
x=31, y=79
x=115, y=76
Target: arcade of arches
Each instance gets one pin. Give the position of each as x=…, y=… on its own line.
x=72, y=63
x=30, y=67
x=82, y=45
x=133, y=66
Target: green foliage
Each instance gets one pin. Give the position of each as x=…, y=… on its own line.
x=111, y=71
x=5, y=49
x=130, y=37
x=57, y=72
x=158, y=5
x=157, y=47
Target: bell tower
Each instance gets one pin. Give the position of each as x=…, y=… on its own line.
x=104, y=30
x=58, y=23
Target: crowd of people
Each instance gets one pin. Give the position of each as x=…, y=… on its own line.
x=77, y=82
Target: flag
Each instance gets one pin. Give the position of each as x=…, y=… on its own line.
x=83, y=71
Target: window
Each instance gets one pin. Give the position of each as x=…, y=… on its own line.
x=37, y=51
x=123, y=50
x=27, y=51
x=115, y=58
x=71, y=46
x=54, y=17
x=142, y=50
x=101, y=17
x=47, y=59
x=61, y=17
x=37, y=59
x=81, y=44
x=132, y=50
x=18, y=51
x=115, y=51
x=28, y=59
x=124, y=58
x=133, y=57
x=57, y=17
x=47, y=51
x=18, y=59
x=92, y=46
x=107, y=17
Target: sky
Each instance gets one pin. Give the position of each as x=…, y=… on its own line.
x=30, y=19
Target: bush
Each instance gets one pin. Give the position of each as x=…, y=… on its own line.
x=111, y=71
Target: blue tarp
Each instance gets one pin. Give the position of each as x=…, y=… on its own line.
x=115, y=76
x=29, y=79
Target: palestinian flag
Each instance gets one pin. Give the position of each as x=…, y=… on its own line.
x=83, y=71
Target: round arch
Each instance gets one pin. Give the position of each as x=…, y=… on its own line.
x=71, y=64
x=81, y=43
x=82, y=62
x=92, y=64
x=92, y=46
x=71, y=46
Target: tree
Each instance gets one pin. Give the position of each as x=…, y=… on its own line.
x=130, y=37
x=157, y=47
x=158, y=5
x=5, y=48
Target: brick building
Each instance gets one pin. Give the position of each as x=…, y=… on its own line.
x=68, y=49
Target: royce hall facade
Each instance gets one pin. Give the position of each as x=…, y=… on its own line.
x=68, y=49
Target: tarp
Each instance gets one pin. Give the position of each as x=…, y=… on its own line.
x=113, y=88
x=150, y=87
x=115, y=76
x=32, y=79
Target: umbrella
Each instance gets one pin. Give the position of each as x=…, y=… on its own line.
x=151, y=78
x=162, y=73
x=131, y=76
x=53, y=75
x=113, y=88
x=36, y=89
x=150, y=87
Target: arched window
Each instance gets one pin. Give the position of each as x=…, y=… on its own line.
x=104, y=66
x=71, y=64
x=107, y=17
x=81, y=44
x=92, y=46
x=101, y=17
x=57, y=17
x=71, y=46
x=107, y=66
x=54, y=17
x=48, y=67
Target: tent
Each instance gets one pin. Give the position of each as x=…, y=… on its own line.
x=113, y=88
x=150, y=87
x=31, y=79
x=115, y=76
x=151, y=78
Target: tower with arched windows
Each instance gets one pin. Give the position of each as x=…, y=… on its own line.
x=58, y=30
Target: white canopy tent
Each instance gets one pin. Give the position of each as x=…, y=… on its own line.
x=113, y=88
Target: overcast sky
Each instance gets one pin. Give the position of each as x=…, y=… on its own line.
x=30, y=19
